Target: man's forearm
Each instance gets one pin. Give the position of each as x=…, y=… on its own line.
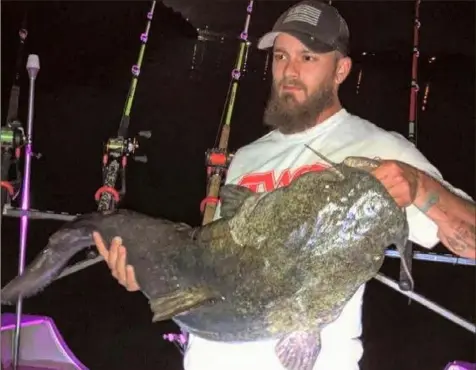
x=454, y=216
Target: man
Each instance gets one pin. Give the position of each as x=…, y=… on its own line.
x=310, y=48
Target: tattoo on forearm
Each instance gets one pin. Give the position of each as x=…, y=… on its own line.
x=462, y=238
x=465, y=231
x=431, y=200
x=455, y=245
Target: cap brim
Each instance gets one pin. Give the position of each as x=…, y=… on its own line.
x=268, y=39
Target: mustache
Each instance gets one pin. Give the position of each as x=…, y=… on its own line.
x=292, y=82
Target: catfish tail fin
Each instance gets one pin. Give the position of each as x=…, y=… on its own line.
x=42, y=271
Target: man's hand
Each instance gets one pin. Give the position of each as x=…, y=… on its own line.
x=454, y=216
x=116, y=260
x=401, y=180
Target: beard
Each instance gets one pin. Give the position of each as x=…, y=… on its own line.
x=287, y=115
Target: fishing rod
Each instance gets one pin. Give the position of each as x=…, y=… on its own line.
x=117, y=150
x=15, y=91
x=12, y=133
x=218, y=159
x=428, y=257
x=407, y=256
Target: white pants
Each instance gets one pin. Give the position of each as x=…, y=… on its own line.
x=341, y=347
x=205, y=355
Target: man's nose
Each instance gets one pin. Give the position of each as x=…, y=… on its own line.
x=292, y=69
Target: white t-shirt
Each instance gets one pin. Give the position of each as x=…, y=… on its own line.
x=273, y=161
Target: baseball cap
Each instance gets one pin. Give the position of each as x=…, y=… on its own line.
x=317, y=25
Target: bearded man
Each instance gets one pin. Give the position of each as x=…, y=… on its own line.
x=310, y=61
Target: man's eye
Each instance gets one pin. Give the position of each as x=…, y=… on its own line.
x=309, y=58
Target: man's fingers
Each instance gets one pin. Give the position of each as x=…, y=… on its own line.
x=401, y=196
x=131, y=283
x=101, y=247
x=115, y=258
x=121, y=265
x=381, y=174
x=113, y=253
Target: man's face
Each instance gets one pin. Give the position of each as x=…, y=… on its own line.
x=304, y=85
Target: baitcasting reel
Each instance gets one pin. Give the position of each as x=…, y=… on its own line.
x=119, y=147
x=217, y=160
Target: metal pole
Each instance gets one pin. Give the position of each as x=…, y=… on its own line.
x=428, y=304
x=435, y=257
x=32, y=66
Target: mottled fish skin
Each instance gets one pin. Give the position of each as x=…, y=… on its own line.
x=312, y=245
x=298, y=244
x=279, y=265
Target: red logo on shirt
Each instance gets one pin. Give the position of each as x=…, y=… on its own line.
x=270, y=180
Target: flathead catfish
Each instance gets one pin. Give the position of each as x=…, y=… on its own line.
x=277, y=265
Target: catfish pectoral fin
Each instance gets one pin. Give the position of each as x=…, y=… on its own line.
x=179, y=301
x=232, y=197
x=298, y=350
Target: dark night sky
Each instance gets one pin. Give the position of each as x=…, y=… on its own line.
x=86, y=50
x=447, y=26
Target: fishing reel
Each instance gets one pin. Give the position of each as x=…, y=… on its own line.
x=125, y=147
x=12, y=140
x=117, y=150
x=12, y=136
x=217, y=161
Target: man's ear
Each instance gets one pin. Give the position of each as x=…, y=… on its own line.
x=343, y=68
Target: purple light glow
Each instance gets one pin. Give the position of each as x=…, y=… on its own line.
x=52, y=334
